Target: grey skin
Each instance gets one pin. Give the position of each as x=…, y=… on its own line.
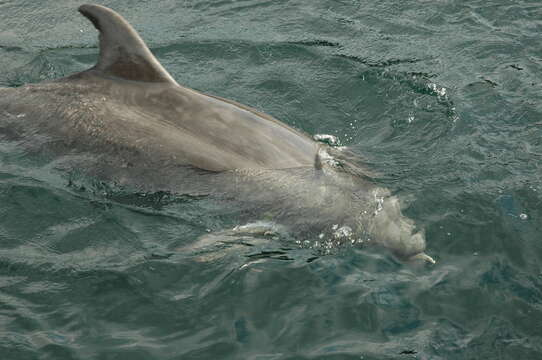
x=127, y=120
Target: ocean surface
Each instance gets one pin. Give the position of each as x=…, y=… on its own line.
x=443, y=98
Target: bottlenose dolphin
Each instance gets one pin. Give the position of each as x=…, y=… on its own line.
x=128, y=121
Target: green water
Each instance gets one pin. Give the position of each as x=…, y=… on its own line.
x=442, y=98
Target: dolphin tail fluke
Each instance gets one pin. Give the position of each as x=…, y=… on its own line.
x=123, y=53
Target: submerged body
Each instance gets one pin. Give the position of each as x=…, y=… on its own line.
x=126, y=120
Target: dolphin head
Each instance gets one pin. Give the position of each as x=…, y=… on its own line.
x=395, y=231
x=377, y=213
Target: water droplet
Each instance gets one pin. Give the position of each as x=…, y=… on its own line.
x=343, y=232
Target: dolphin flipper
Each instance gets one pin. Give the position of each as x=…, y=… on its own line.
x=123, y=53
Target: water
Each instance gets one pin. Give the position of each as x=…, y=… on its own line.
x=442, y=98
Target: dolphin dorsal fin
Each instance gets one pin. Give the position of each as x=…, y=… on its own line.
x=123, y=53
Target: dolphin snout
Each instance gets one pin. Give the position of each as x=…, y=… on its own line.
x=422, y=256
x=417, y=241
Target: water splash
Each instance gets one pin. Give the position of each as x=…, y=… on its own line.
x=330, y=140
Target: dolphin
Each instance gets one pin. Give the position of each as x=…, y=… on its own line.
x=126, y=120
